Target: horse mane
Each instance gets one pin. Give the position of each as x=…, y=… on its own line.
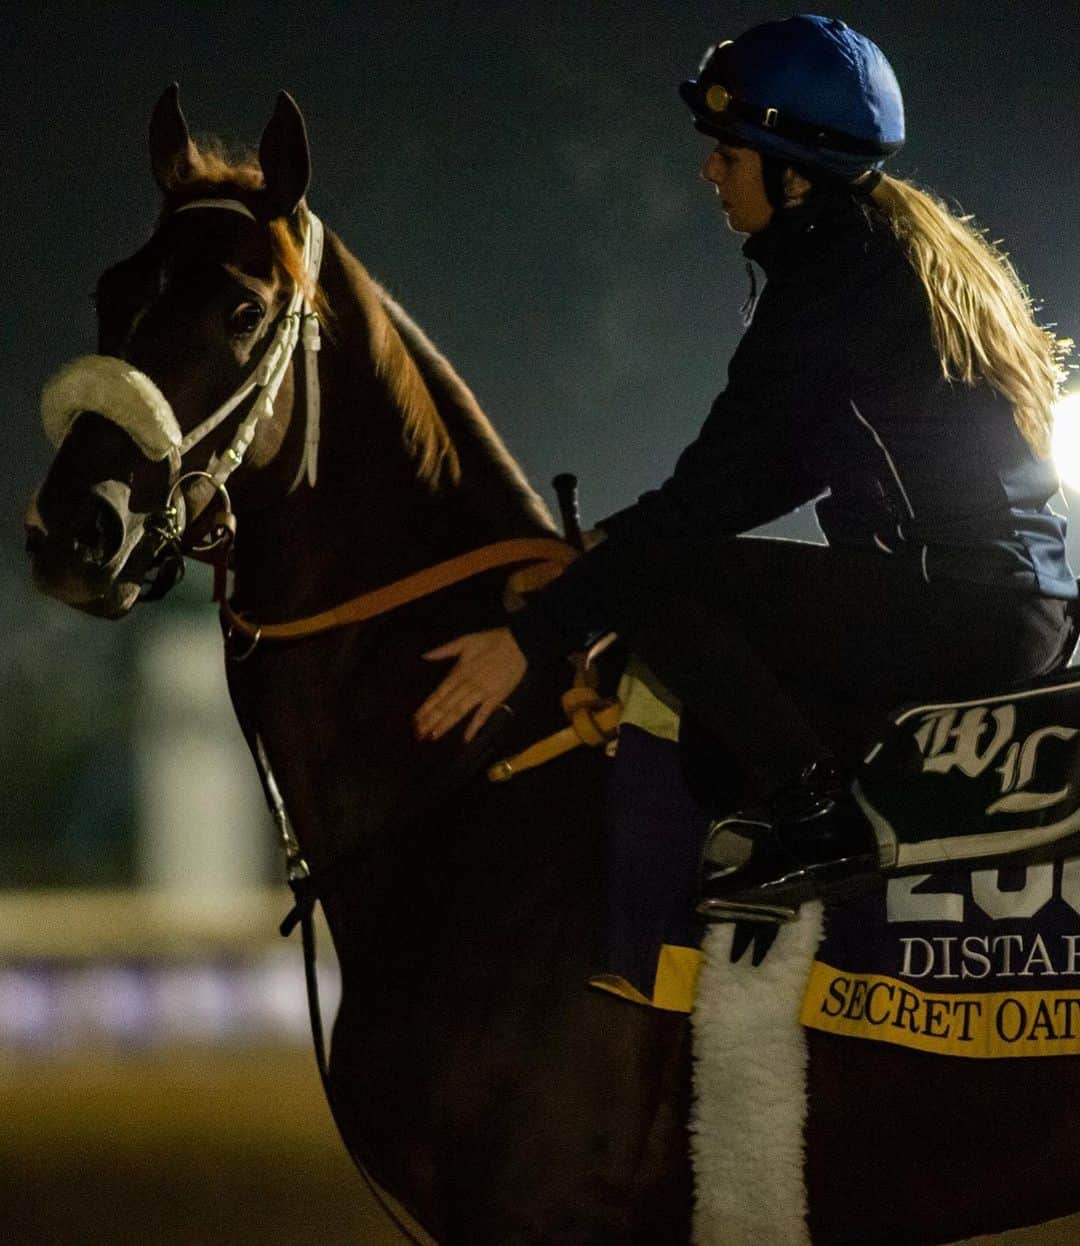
x=486, y=461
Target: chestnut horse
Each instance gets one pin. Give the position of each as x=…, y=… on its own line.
x=472, y=1072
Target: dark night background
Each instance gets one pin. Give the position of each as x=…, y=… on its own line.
x=523, y=178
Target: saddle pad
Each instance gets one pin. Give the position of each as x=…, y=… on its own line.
x=655, y=835
x=982, y=964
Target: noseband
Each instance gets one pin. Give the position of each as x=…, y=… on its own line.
x=112, y=387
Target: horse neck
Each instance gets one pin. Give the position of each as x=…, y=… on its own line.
x=410, y=470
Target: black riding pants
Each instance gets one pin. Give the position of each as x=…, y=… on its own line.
x=788, y=651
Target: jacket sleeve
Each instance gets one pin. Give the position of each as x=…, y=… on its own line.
x=569, y=614
x=745, y=468
x=741, y=471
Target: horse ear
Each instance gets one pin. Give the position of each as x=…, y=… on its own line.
x=172, y=153
x=285, y=158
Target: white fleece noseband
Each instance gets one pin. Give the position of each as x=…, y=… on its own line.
x=117, y=390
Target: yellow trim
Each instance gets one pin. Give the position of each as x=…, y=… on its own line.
x=675, y=984
x=614, y=985
x=675, y=988
x=1006, y=1024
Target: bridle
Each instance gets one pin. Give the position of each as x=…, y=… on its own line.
x=114, y=388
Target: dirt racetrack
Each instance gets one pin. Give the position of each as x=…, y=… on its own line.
x=177, y=1148
x=196, y=1147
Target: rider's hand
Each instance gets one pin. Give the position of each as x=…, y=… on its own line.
x=489, y=667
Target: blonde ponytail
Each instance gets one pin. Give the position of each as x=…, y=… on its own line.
x=982, y=315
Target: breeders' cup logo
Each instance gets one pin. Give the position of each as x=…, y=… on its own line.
x=976, y=781
x=972, y=740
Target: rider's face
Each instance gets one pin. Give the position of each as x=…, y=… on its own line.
x=736, y=174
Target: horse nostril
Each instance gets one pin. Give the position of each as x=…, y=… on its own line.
x=35, y=538
x=97, y=531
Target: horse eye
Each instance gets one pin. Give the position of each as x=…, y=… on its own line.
x=246, y=318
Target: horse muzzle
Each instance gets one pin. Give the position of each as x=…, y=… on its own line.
x=88, y=548
x=82, y=558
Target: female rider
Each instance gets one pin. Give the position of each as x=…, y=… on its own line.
x=891, y=369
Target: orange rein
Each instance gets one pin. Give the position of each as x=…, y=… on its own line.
x=555, y=553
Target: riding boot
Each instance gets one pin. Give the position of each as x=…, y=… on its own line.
x=812, y=842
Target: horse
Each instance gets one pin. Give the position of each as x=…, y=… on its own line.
x=471, y=1072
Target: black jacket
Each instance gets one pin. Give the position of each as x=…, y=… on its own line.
x=837, y=389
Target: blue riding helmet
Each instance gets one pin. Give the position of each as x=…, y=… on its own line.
x=809, y=90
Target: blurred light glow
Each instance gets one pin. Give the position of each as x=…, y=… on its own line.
x=1066, y=443
x=56, y=1007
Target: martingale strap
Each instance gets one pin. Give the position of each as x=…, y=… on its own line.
x=412, y=588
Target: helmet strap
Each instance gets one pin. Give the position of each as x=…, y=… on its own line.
x=772, y=175
x=822, y=182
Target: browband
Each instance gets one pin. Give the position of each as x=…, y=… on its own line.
x=224, y=205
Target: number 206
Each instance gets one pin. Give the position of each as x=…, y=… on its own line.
x=903, y=905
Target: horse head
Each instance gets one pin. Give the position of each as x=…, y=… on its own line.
x=193, y=373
